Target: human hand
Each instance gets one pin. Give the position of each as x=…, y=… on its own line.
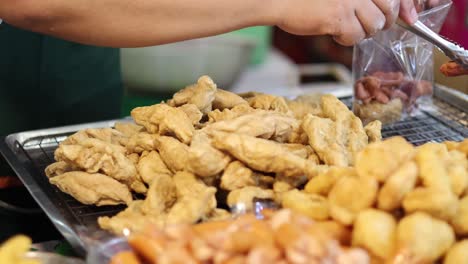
x=348, y=21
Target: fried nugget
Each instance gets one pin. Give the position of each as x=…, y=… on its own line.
x=192, y=112
x=300, y=150
x=228, y=114
x=323, y=183
x=128, y=128
x=311, y=205
x=426, y=238
x=96, y=156
x=375, y=231
x=263, y=124
x=246, y=195
x=431, y=159
x=107, y=135
x=301, y=109
x=374, y=131
x=457, y=170
x=350, y=195
x=161, y=195
x=150, y=166
x=140, y=142
x=58, y=168
x=203, y=159
x=460, y=219
x=438, y=202
x=236, y=176
x=227, y=100
x=97, y=189
x=260, y=154
x=397, y=185
x=202, y=94
x=163, y=119
x=173, y=153
x=458, y=253
x=379, y=160
x=269, y=102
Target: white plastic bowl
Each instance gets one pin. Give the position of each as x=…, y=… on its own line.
x=168, y=68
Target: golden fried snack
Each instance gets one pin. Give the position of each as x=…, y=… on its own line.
x=375, y=231
x=263, y=124
x=141, y=142
x=94, y=188
x=236, y=176
x=227, y=100
x=202, y=94
x=203, y=159
x=150, y=166
x=131, y=220
x=260, y=154
x=335, y=230
x=460, y=220
x=457, y=170
x=194, y=199
x=13, y=250
x=301, y=108
x=431, y=159
x=269, y=102
x=374, y=131
x=379, y=160
x=108, y=135
x=246, y=195
x=163, y=119
x=300, y=150
x=192, y=112
x=138, y=185
x=161, y=195
x=58, y=168
x=452, y=68
x=128, y=128
x=385, y=113
x=96, y=156
x=458, y=253
x=424, y=237
x=350, y=195
x=323, y=183
x=218, y=215
x=397, y=185
x=438, y=202
x=228, y=114
x=173, y=153
x=311, y=205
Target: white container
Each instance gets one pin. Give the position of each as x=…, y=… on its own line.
x=171, y=67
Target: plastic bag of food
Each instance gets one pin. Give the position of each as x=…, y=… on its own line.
x=393, y=71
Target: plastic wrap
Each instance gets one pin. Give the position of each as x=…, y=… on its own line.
x=393, y=71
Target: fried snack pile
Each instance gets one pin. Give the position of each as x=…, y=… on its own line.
x=404, y=204
x=204, y=149
x=14, y=249
x=281, y=237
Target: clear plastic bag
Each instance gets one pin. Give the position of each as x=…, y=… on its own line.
x=393, y=71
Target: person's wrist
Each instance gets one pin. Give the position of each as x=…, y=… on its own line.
x=268, y=12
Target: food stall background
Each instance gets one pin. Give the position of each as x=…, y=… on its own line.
x=274, y=60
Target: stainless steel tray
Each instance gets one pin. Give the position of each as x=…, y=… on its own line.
x=29, y=153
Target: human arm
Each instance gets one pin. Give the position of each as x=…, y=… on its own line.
x=129, y=23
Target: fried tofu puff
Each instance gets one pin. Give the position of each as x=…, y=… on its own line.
x=237, y=176
x=151, y=166
x=163, y=119
x=269, y=102
x=375, y=231
x=202, y=94
x=423, y=237
x=227, y=100
x=173, y=153
x=90, y=188
x=350, y=195
x=374, y=131
x=458, y=253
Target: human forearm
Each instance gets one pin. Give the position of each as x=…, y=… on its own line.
x=135, y=22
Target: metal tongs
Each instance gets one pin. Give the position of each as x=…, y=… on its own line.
x=454, y=51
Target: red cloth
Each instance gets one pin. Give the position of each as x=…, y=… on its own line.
x=456, y=24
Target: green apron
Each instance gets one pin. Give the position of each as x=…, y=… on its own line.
x=47, y=82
